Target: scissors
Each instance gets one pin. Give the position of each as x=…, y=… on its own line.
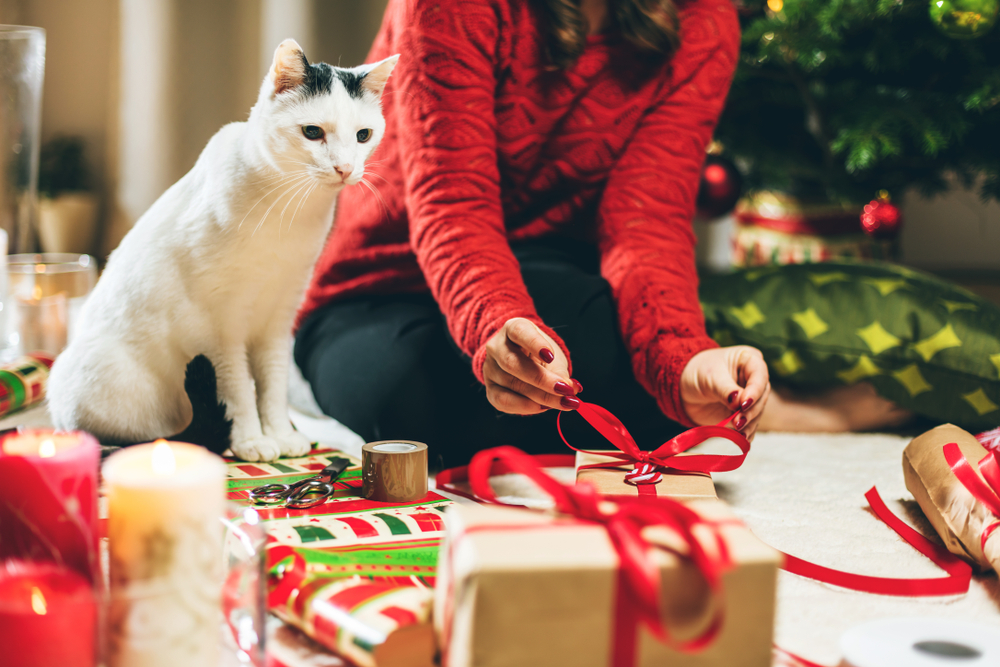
x=305, y=493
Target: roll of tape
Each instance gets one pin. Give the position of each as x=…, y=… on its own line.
x=921, y=642
x=394, y=471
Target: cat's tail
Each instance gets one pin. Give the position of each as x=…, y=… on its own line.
x=209, y=426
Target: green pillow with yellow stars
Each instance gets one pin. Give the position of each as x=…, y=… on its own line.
x=925, y=344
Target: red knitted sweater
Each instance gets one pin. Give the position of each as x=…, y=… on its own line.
x=487, y=144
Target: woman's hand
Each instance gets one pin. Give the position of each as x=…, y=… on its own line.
x=525, y=372
x=717, y=382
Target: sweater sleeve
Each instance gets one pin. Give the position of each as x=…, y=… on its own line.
x=447, y=131
x=644, y=218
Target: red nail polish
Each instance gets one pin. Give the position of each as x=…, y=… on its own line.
x=546, y=355
x=741, y=421
x=563, y=389
x=732, y=396
x=570, y=403
x=579, y=387
x=746, y=404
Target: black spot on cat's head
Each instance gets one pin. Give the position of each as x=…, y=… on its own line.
x=318, y=79
x=352, y=82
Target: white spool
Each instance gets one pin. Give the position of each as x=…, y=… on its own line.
x=921, y=642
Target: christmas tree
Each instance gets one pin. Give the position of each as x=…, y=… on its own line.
x=836, y=100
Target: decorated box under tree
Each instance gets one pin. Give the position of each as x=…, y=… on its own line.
x=774, y=228
x=834, y=103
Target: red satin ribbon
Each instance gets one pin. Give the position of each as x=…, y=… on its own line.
x=957, y=581
x=637, y=600
x=988, y=492
x=664, y=457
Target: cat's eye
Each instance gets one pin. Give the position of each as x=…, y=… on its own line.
x=364, y=135
x=312, y=132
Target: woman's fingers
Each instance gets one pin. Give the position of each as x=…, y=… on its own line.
x=536, y=345
x=542, y=399
x=505, y=400
x=753, y=415
x=753, y=369
x=513, y=352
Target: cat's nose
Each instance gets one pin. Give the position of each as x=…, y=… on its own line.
x=345, y=170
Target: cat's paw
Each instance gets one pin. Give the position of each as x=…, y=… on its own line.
x=294, y=443
x=262, y=448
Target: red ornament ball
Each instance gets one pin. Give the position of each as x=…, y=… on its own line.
x=881, y=219
x=720, y=188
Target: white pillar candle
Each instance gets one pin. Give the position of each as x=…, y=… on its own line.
x=165, y=502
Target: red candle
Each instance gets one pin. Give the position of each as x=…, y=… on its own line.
x=48, y=616
x=48, y=499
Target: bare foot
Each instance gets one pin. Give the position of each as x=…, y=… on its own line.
x=856, y=407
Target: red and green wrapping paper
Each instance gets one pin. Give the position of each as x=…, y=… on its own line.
x=22, y=382
x=352, y=574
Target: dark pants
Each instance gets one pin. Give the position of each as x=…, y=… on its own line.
x=386, y=367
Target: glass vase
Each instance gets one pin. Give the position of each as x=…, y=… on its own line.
x=22, y=72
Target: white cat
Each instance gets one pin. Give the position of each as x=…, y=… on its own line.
x=217, y=267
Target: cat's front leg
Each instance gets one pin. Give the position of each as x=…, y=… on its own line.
x=236, y=390
x=269, y=364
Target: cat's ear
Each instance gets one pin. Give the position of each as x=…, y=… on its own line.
x=288, y=69
x=376, y=77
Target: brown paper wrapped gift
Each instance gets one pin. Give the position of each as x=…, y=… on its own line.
x=630, y=471
x=509, y=594
x=610, y=481
x=956, y=515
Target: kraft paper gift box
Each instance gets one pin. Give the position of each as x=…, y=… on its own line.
x=611, y=481
x=520, y=588
x=956, y=515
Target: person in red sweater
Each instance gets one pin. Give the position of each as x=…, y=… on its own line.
x=537, y=181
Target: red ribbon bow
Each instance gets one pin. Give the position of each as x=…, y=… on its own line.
x=988, y=492
x=638, y=592
x=648, y=466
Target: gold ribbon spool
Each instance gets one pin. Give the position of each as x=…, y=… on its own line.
x=394, y=471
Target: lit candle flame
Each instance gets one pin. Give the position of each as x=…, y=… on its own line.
x=36, y=293
x=38, y=601
x=47, y=449
x=163, y=459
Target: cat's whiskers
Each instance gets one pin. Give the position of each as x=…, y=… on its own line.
x=374, y=190
x=268, y=180
x=277, y=199
x=285, y=180
x=281, y=218
x=302, y=201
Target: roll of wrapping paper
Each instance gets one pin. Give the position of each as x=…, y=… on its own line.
x=394, y=471
x=22, y=382
x=371, y=606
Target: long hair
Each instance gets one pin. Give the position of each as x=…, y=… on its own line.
x=649, y=25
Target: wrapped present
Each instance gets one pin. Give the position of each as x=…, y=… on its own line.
x=603, y=582
x=353, y=574
x=630, y=471
x=372, y=609
x=775, y=228
x=22, y=382
x=956, y=482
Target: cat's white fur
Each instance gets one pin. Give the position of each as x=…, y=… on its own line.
x=218, y=266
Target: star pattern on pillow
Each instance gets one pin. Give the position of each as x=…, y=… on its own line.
x=942, y=340
x=912, y=379
x=877, y=338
